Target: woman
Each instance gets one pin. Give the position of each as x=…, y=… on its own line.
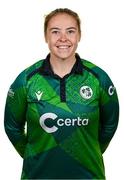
x=69, y=104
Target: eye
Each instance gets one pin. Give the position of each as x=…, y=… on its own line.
x=55, y=32
x=71, y=31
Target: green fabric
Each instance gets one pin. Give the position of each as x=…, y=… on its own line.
x=74, y=150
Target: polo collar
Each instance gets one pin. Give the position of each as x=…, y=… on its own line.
x=46, y=68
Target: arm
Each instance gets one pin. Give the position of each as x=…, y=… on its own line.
x=15, y=114
x=109, y=112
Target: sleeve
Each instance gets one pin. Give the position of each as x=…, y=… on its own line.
x=15, y=114
x=109, y=111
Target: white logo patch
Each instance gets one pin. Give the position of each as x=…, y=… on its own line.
x=111, y=90
x=11, y=93
x=39, y=94
x=59, y=122
x=86, y=92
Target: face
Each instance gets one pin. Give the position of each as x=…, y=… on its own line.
x=62, y=36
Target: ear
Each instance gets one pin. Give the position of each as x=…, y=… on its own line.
x=45, y=36
x=79, y=37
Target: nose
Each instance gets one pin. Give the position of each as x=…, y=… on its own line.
x=63, y=37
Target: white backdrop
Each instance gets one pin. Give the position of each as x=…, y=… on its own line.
x=22, y=44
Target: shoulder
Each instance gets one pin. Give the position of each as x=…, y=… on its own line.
x=97, y=71
x=107, y=88
x=22, y=78
x=33, y=69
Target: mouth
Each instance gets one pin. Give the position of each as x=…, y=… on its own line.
x=63, y=46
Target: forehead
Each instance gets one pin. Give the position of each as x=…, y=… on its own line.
x=61, y=20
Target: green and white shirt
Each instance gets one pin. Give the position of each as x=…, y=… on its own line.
x=70, y=120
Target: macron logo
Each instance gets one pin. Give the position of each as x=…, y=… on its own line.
x=39, y=95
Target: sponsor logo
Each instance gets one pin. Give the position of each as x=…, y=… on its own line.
x=11, y=93
x=111, y=90
x=39, y=95
x=60, y=122
x=86, y=92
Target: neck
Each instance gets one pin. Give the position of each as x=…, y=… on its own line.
x=61, y=67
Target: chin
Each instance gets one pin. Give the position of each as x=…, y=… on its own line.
x=65, y=56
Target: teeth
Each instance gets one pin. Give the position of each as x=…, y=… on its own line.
x=63, y=47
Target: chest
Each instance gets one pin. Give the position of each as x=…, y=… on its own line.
x=74, y=96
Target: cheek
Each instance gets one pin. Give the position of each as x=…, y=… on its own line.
x=51, y=44
x=75, y=41
x=50, y=39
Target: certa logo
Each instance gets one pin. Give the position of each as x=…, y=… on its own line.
x=60, y=122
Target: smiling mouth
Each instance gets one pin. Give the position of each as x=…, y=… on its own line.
x=63, y=46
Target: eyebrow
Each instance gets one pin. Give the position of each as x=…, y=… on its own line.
x=72, y=28
x=56, y=28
